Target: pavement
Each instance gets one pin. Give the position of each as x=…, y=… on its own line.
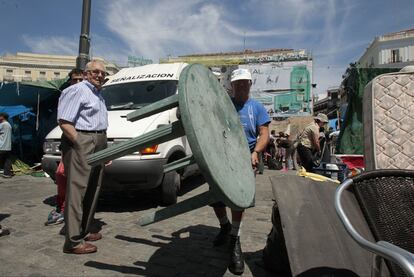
x=180, y=246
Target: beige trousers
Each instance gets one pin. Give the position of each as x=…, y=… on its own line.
x=83, y=185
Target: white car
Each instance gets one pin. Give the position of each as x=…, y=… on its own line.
x=124, y=92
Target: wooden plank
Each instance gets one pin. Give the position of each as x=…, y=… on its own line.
x=185, y=206
x=157, y=107
x=314, y=235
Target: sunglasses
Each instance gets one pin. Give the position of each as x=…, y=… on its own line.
x=97, y=72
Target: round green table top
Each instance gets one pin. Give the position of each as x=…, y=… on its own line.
x=216, y=136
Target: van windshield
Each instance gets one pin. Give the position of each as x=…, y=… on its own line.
x=136, y=95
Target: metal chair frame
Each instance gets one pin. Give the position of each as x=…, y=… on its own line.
x=381, y=249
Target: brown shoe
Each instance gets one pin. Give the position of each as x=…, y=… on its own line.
x=83, y=248
x=93, y=237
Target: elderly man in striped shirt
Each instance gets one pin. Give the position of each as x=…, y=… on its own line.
x=83, y=118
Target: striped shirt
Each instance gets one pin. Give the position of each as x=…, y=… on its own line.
x=83, y=105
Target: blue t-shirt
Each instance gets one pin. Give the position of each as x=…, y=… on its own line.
x=252, y=115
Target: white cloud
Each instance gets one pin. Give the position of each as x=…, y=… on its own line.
x=262, y=33
x=156, y=29
x=51, y=44
x=107, y=48
x=100, y=47
x=326, y=77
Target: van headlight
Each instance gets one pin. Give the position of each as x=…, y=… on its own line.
x=51, y=147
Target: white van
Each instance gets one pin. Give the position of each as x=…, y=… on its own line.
x=124, y=92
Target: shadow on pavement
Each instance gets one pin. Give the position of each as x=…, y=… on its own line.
x=188, y=252
x=142, y=241
x=118, y=268
x=191, y=183
x=132, y=201
x=96, y=225
x=3, y=216
x=253, y=260
x=120, y=202
x=328, y=271
x=51, y=201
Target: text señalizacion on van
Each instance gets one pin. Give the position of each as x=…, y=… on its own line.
x=144, y=76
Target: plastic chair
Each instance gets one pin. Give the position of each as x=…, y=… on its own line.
x=386, y=198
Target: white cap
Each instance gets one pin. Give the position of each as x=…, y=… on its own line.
x=408, y=68
x=241, y=74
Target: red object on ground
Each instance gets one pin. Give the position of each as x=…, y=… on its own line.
x=61, y=187
x=352, y=161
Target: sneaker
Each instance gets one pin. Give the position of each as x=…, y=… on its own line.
x=6, y=176
x=223, y=235
x=54, y=218
x=4, y=232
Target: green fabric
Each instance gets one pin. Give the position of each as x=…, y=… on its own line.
x=351, y=136
x=59, y=84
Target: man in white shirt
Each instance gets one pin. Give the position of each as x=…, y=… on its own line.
x=5, y=145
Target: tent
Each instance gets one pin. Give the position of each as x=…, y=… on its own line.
x=32, y=108
x=351, y=136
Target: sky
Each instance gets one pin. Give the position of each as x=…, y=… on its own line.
x=336, y=32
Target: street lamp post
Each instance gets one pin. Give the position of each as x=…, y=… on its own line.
x=84, y=40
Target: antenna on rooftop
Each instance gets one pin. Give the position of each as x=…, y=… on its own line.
x=244, y=41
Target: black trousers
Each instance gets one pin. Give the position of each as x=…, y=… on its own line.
x=6, y=162
x=306, y=157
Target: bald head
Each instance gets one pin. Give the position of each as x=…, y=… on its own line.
x=92, y=64
x=95, y=73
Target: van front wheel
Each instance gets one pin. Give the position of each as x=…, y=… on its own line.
x=169, y=188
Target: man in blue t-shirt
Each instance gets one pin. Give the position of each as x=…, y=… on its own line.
x=255, y=121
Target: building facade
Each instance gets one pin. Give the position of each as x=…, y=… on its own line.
x=30, y=67
x=394, y=50
x=329, y=105
x=281, y=78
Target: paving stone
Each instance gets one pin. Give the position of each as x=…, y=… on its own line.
x=154, y=230
x=20, y=234
x=181, y=246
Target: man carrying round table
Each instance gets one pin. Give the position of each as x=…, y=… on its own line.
x=255, y=120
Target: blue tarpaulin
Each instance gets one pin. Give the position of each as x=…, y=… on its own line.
x=32, y=108
x=332, y=123
x=23, y=112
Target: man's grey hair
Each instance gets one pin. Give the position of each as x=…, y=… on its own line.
x=92, y=62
